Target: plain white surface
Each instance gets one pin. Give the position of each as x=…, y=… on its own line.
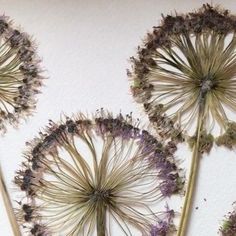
x=85, y=46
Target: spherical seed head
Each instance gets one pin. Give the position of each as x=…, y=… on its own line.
x=186, y=67
x=83, y=173
x=20, y=77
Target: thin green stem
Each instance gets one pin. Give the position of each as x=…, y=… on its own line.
x=8, y=206
x=185, y=215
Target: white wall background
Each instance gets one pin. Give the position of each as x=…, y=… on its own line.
x=85, y=46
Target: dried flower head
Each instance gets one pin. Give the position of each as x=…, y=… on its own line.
x=83, y=175
x=20, y=81
x=186, y=67
x=185, y=77
x=19, y=74
x=229, y=225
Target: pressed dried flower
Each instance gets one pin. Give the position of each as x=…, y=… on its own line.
x=184, y=75
x=83, y=175
x=20, y=81
x=228, y=227
x=20, y=77
x=186, y=63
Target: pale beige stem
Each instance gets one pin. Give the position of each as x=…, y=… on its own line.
x=101, y=220
x=8, y=206
x=185, y=215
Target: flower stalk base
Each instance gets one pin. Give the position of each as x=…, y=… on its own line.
x=192, y=178
x=101, y=221
x=8, y=205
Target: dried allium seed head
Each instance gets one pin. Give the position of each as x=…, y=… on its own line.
x=187, y=67
x=84, y=175
x=20, y=78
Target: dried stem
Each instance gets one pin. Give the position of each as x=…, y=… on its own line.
x=101, y=220
x=8, y=206
x=192, y=177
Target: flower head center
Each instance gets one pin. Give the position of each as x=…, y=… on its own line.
x=207, y=84
x=100, y=195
